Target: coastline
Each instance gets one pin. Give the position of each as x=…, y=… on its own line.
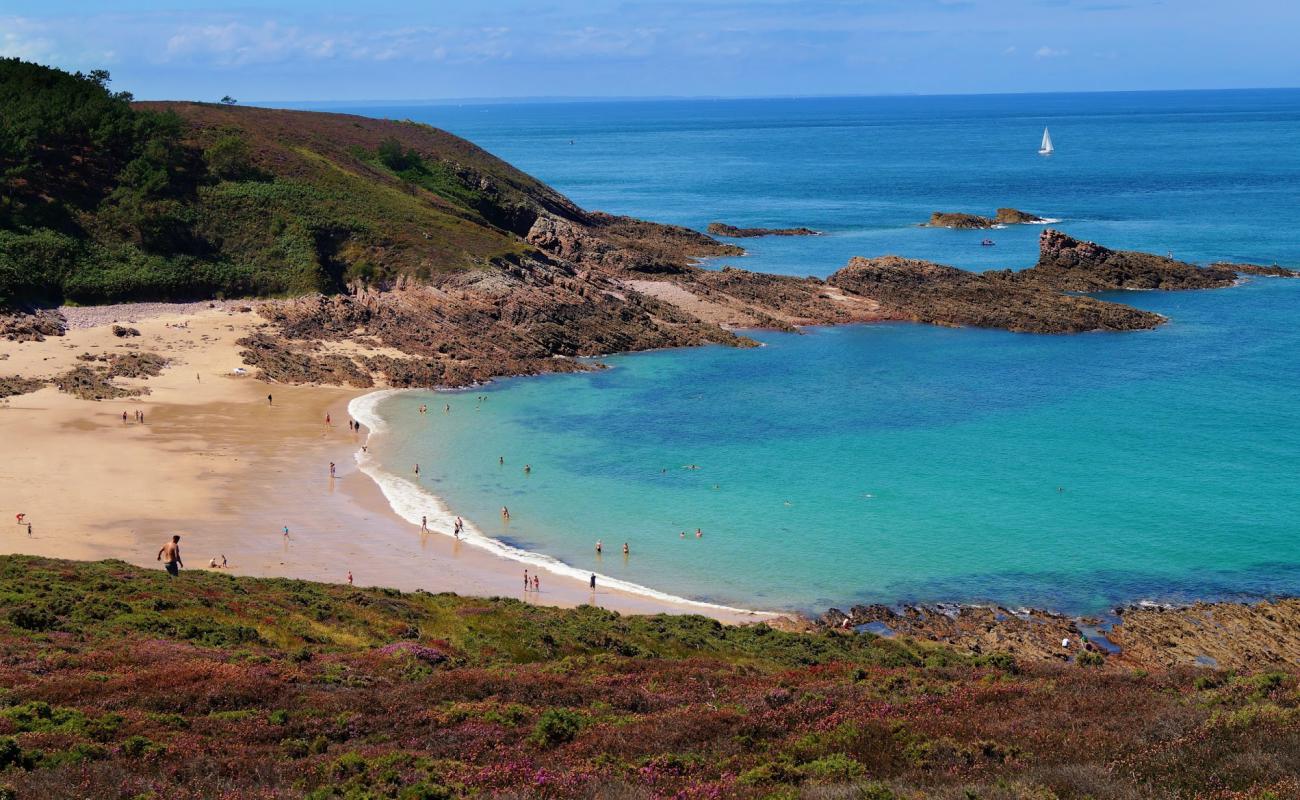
x=218, y=464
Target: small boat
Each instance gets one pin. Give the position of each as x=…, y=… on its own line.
x=1046, y=148
x=987, y=243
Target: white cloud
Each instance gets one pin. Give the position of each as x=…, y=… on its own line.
x=1010, y=51
x=22, y=38
x=1048, y=52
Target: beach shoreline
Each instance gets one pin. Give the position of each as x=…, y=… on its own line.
x=217, y=462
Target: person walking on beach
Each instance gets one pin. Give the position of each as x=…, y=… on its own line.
x=286, y=533
x=268, y=400
x=331, y=469
x=458, y=527
x=327, y=419
x=424, y=524
x=526, y=584
x=349, y=577
x=593, y=582
x=173, y=552
x=29, y=530
x=124, y=416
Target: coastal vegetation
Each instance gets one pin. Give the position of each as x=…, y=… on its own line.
x=106, y=200
x=118, y=682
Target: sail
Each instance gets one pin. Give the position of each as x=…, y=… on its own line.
x=1047, y=142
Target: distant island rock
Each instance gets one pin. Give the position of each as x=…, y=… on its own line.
x=732, y=232
x=960, y=221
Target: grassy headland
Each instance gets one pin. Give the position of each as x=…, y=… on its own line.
x=118, y=682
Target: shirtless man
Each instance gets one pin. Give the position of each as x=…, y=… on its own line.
x=173, y=552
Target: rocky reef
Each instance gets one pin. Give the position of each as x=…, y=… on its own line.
x=733, y=232
x=1271, y=271
x=960, y=221
x=922, y=291
x=1220, y=636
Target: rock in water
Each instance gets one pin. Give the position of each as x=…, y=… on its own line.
x=944, y=219
x=1012, y=216
x=733, y=232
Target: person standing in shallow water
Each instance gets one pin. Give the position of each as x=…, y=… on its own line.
x=173, y=552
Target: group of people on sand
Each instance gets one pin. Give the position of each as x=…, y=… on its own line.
x=536, y=584
x=139, y=416
x=22, y=520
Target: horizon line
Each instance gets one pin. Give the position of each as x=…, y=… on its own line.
x=545, y=99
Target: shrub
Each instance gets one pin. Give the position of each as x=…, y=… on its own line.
x=835, y=768
x=557, y=726
x=1090, y=659
x=425, y=791
x=33, y=618
x=140, y=747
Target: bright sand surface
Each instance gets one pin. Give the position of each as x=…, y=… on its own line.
x=218, y=464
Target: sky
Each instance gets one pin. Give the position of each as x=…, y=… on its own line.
x=328, y=50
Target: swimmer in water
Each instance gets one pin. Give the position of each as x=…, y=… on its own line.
x=505, y=513
x=699, y=534
x=417, y=469
x=625, y=550
x=599, y=547
x=528, y=469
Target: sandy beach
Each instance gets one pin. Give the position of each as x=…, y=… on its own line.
x=216, y=463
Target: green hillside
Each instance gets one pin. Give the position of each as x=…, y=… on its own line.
x=107, y=200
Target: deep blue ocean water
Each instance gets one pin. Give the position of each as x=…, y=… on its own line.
x=904, y=462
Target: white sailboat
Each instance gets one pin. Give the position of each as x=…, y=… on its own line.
x=1046, y=149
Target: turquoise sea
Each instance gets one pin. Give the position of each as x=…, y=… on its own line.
x=904, y=462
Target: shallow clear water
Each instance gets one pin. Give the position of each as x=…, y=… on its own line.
x=905, y=462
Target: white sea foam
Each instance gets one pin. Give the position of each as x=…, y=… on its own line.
x=411, y=502
x=1044, y=221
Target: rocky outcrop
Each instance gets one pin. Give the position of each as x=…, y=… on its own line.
x=945, y=219
x=512, y=319
x=1273, y=271
x=922, y=291
x=1237, y=636
x=624, y=244
x=31, y=327
x=13, y=385
x=94, y=384
x=1073, y=265
x=731, y=231
x=288, y=362
x=1003, y=216
x=1013, y=216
